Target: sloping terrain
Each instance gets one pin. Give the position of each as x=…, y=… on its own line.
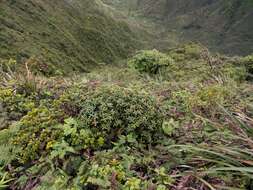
x=78, y=35
x=69, y=35
x=224, y=26
x=176, y=119
x=170, y=121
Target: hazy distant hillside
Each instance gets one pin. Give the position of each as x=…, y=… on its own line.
x=223, y=25
x=67, y=34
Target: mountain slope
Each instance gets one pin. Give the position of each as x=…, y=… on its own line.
x=223, y=25
x=70, y=35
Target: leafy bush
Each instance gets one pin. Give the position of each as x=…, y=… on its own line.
x=186, y=52
x=207, y=99
x=79, y=136
x=15, y=104
x=248, y=62
x=36, y=131
x=114, y=111
x=237, y=73
x=150, y=61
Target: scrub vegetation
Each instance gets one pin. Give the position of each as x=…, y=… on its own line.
x=173, y=118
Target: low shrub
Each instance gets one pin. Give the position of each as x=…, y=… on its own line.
x=150, y=61
x=186, y=52
x=15, y=104
x=208, y=99
x=248, y=63
x=96, y=119
x=237, y=73
x=114, y=111
x=79, y=136
x=36, y=131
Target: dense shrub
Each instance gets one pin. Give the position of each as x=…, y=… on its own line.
x=79, y=136
x=114, y=111
x=96, y=119
x=15, y=104
x=36, y=131
x=236, y=73
x=186, y=52
x=150, y=61
x=208, y=100
x=248, y=62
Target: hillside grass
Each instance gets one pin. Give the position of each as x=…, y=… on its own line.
x=67, y=36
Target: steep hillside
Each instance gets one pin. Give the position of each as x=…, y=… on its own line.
x=78, y=35
x=224, y=26
x=70, y=35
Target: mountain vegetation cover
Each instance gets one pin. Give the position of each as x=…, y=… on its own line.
x=131, y=95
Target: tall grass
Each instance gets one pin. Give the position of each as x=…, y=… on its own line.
x=233, y=158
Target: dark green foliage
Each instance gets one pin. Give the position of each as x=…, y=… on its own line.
x=81, y=136
x=150, y=61
x=248, y=63
x=114, y=111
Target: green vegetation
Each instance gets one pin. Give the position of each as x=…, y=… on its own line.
x=78, y=36
x=248, y=62
x=186, y=126
x=63, y=36
x=222, y=25
x=150, y=61
x=79, y=110
x=114, y=111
